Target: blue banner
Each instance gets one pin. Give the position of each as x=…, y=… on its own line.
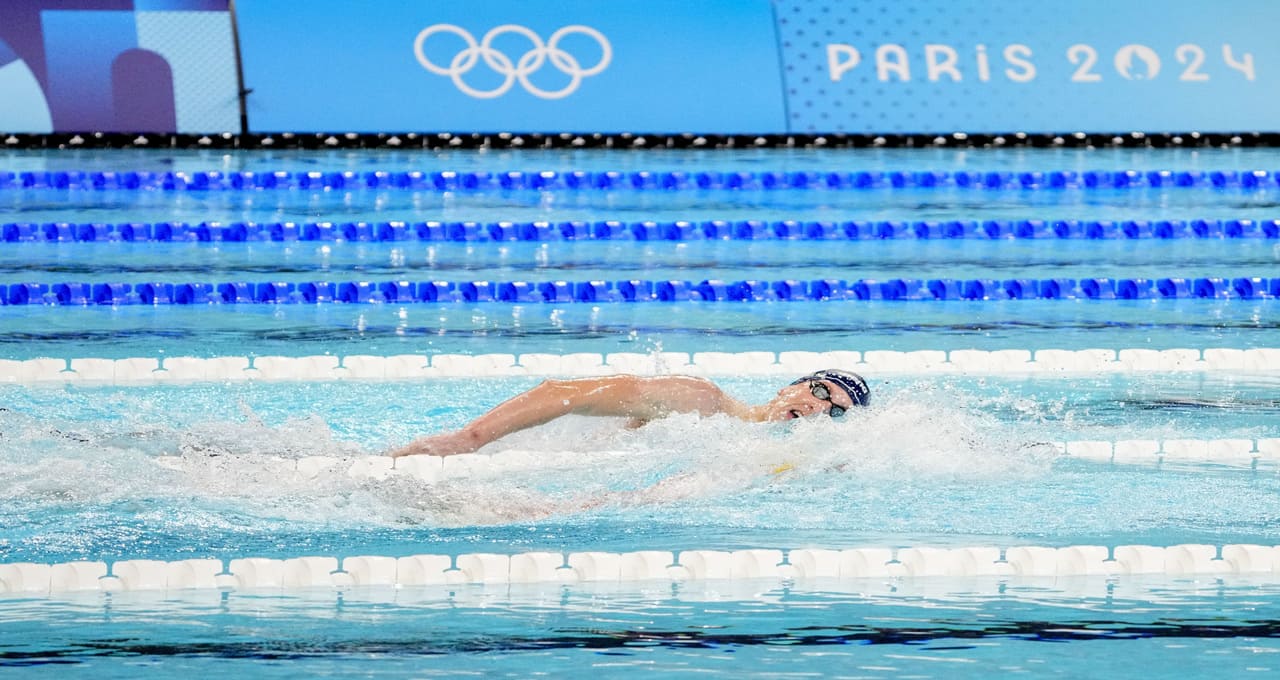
x=117, y=66
x=932, y=66
x=511, y=65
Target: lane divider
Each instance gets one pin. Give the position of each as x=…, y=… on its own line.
x=551, y=180
x=1249, y=454
x=1041, y=362
x=613, y=230
x=1010, y=563
x=79, y=294
x=1243, y=453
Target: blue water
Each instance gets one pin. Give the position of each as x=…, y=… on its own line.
x=937, y=461
x=1153, y=626
x=38, y=205
x=594, y=261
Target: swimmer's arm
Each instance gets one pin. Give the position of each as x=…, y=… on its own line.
x=623, y=396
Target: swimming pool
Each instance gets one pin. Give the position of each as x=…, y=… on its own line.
x=1067, y=348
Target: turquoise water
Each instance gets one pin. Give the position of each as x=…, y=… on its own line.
x=1154, y=626
x=948, y=461
x=953, y=461
x=305, y=330
x=588, y=261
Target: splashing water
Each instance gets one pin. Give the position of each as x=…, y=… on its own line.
x=932, y=460
x=571, y=466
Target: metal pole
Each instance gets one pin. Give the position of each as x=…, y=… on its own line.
x=243, y=94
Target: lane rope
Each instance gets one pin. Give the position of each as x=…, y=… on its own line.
x=1012, y=564
x=328, y=367
x=79, y=294
x=552, y=180
x=615, y=230
x=1243, y=453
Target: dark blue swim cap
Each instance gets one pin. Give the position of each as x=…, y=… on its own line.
x=852, y=384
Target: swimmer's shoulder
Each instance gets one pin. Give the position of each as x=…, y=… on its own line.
x=686, y=381
x=649, y=397
x=665, y=384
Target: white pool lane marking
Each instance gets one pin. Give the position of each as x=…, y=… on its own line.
x=1042, y=362
x=860, y=568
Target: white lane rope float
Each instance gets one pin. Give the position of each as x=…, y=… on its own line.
x=856, y=567
x=1041, y=362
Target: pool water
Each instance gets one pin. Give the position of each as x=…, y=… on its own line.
x=1155, y=626
x=174, y=470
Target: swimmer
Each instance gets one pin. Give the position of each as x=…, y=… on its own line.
x=54, y=432
x=642, y=399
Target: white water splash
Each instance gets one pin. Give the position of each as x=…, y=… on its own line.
x=577, y=464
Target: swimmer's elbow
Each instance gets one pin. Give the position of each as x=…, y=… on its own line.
x=561, y=397
x=551, y=389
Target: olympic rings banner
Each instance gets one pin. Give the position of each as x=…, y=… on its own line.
x=508, y=65
x=663, y=66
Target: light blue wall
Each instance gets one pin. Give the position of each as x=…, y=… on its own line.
x=677, y=65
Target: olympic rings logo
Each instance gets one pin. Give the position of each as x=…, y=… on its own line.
x=528, y=63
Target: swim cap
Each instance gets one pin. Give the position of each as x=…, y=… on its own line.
x=852, y=384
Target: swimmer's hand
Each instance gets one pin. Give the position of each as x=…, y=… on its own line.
x=447, y=444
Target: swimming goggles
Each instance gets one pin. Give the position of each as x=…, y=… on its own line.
x=820, y=390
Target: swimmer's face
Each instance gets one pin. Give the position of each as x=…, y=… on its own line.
x=804, y=400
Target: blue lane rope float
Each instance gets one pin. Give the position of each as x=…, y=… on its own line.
x=551, y=180
x=613, y=230
x=399, y=292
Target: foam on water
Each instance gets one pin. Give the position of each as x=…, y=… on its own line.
x=574, y=465
x=933, y=460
